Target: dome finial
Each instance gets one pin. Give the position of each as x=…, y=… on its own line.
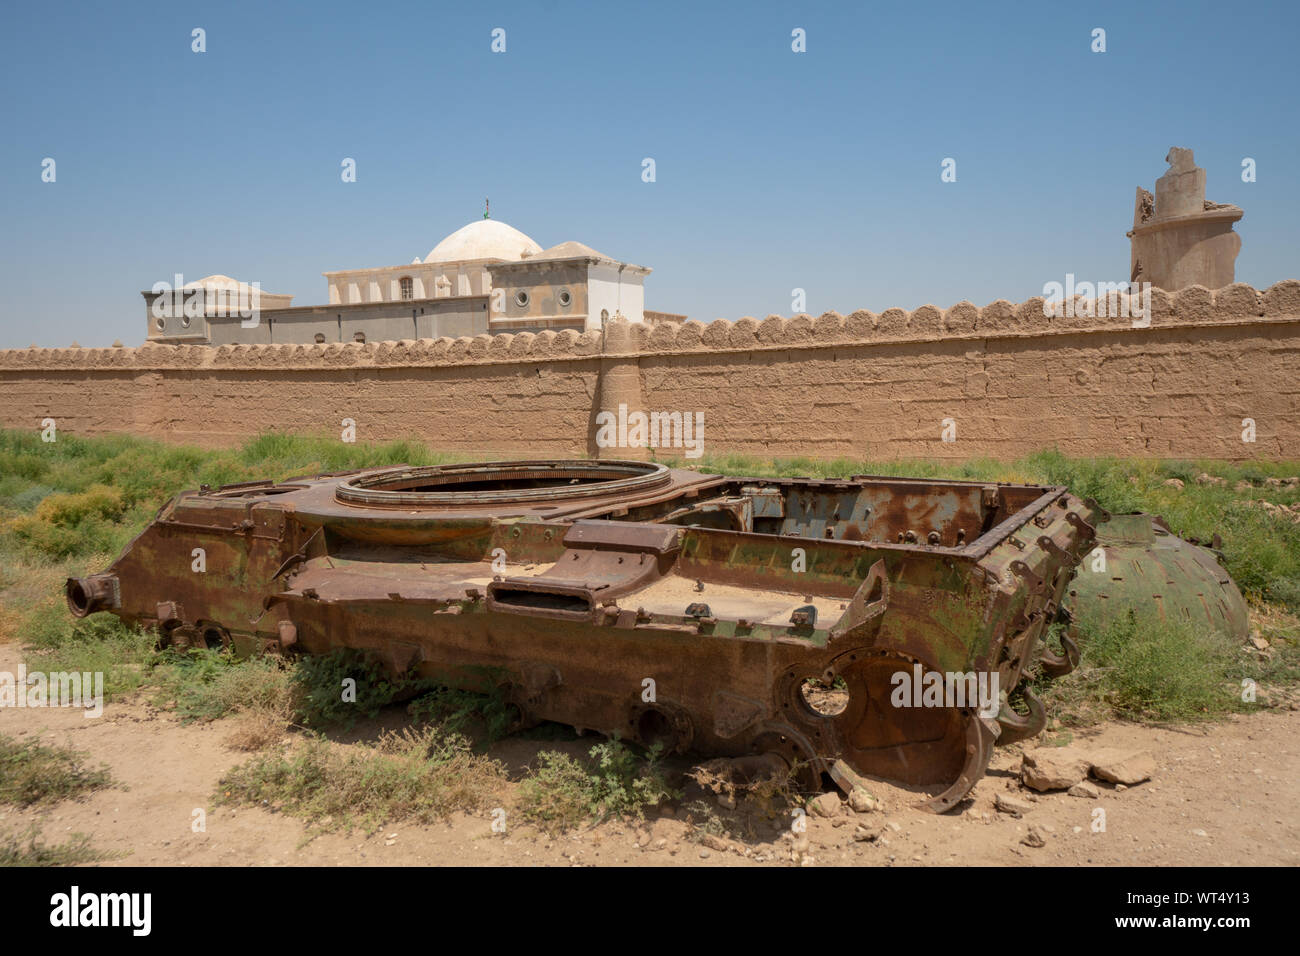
x=487, y=205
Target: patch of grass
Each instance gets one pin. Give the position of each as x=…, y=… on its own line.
x=256, y=730
x=341, y=687
x=416, y=775
x=207, y=685
x=486, y=717
x=28, y=849
x=100, y=644
x=562, y=793
x=78, y=497
x=1148, y=671
x=34, y=773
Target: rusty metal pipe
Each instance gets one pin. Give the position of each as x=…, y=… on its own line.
x=98, y=592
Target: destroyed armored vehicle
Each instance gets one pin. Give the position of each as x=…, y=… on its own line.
x=778, y=620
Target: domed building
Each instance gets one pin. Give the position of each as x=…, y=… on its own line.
x=486, y=276
x=455, y=268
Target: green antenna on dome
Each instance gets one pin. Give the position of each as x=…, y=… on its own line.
x=487, y=205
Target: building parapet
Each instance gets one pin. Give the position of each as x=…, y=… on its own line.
x=1190, y=307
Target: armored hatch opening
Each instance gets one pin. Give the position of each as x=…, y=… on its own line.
x=926, y=512
x=254, y=490
x=506, y=482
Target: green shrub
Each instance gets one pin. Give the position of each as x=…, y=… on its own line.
x=562, y=793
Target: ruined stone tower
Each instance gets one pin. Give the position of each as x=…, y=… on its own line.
x=1178, y=238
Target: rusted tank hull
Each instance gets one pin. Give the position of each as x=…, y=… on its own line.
x=658, y=605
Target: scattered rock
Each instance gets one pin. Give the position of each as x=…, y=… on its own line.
x=1172, y=483
x=1006, y=803
x=715, y=842
x=1035, y=837
x=1123, y=766
x=1053, y=768
x=862, y=834
x=1260, y=643
x=825, y=804
x=1085, y=789
x=862, y=802
x=1242, y=486
x=1204, y=479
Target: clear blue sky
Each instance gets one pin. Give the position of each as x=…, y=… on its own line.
x=775, y=170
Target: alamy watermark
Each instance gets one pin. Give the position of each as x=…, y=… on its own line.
x=82, y=689
x=242, y=300
x=921, y=688
x=683, y=430
x=1100, y=300
x=128, y=910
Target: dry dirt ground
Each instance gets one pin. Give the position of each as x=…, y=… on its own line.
x=1224, y=794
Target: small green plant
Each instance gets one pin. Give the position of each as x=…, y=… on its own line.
x=562, y=793
x=33, y=773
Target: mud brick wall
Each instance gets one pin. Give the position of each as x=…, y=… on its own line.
x=864, y=385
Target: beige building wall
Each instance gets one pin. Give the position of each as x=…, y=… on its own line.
x=858, y=386
x=541, y=295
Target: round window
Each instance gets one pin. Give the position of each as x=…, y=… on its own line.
x=521, y=299
x=160, y=324
x=565, y=298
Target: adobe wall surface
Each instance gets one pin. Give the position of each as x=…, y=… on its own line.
x=864, y=385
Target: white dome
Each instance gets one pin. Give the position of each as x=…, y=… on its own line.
x=484, y=239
